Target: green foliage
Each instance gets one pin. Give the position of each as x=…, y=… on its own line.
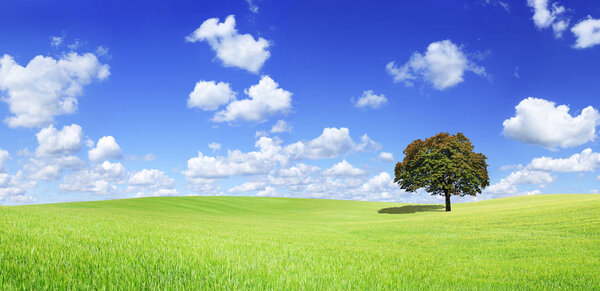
x=241, y=243
x=443, y=164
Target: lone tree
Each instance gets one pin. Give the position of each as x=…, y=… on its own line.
x=444, y=165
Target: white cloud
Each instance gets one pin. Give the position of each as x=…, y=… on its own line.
x=56, y=41
x=268, y=156
x=281, y=126
x=541, y=122
x=370, y=99
x=75, y=45
x=443, y=65
x=53, y=142
x=587, y=32
x=266, y=99
x=586, y=161
x=533, y=192
x=247, y=187
x=151, y=182
x=331, y=143
x=544, y=16
x=4, y=156
x=232, y=48
x=268, y=191
x=14, y=187
x=208, y=95
x=386, y=157
x=46, y=87
x=367, y=144
x=214, y=146
x=508, y=185
x=380, y=187
x=102, y=51
x=344, y=169
x=106, y=148
x=51, y=168
x=101, y=179
x=253, y=8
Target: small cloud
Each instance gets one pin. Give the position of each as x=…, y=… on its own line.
x=77, y=44
x=370, y=99
x=442, y=65
x=214, y=146
x=56, y=41
x=233, y=49
x=253, y=8
x=281, y=126
x=587, y=32
x=102, y=51
x=386, y=157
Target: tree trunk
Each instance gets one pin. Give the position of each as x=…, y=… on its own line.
x=447, y=201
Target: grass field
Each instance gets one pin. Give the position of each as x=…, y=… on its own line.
x=533, y=242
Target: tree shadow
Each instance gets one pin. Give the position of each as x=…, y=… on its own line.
x=411, y=209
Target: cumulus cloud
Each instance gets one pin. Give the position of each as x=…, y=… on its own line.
x=51, y=168
x=541, y=122
x=508, y=185
x=106, y=148
x=151, y=182
x=268, y=191
x=266, y=99
x=268, y=156
x=331, y=143
x=53, y=142
x=586, y=161
x=14, y=187
x=587, y=33
x=379, y=187
x=281, y=126
x=344, y=169
x=386, y=157
x=232, y=48
x=101, y=179
x=370, y=99
x=300, y=174
x=208, y=95
x=46, y=87
x=545, y=16
x=442, y=65
x=271, y=155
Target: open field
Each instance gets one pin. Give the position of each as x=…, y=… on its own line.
x=533, y=242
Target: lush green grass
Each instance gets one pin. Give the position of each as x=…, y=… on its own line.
x=535, y=242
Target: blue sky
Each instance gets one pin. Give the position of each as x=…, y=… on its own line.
x=106, y=99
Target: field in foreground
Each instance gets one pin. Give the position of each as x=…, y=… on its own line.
x=539, y=242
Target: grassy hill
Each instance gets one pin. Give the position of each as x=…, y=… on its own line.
x=540, y=242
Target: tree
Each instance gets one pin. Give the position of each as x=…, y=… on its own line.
x=444, y=165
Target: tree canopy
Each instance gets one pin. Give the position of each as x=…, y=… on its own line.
x=443, y=165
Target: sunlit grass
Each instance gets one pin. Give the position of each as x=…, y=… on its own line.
x=534, y=242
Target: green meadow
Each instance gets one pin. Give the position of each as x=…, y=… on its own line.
x=532, y=242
